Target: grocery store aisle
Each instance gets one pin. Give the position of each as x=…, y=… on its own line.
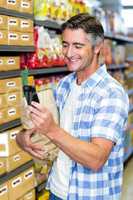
x=127, y=193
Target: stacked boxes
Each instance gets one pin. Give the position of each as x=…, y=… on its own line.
x=21, y=184
x=10, y=99
x=16, y=31
x=11, y=156
x=19, y=187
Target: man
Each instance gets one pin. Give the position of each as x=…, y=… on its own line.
x=93, y=110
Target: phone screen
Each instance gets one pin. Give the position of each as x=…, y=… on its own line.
x=30, y=94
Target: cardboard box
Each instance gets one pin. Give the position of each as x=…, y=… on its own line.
x=13, y=99
x=17, y=160
x=26, y=25
x=12, y=63
x=13, y=4
x=3, y=22
x=28, y=180
x=3, y=102
x=9, y=63
x=26, y=6
x=2, y=3
x=2, y=165
x=10, y=85
x=26, y=39
x=4, y=191
x=13, y=113
x=15, y=187
x=13, y=38
x=30, y=195
x=2, y=63
x=8, y=142
x=2, y=116
x=3, y=37
x=13, y=23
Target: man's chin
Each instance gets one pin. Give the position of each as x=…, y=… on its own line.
x=72, y=69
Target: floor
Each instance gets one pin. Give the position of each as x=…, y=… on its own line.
x=127, y=191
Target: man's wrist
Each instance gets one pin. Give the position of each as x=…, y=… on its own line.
x=54, y=132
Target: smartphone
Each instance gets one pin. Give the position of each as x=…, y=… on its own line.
x=30, y=94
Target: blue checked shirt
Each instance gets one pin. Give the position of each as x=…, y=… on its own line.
x=102, y=111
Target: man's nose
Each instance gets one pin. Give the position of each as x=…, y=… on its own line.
x=69, y=52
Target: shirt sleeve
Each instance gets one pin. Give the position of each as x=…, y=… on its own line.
x=110, y=117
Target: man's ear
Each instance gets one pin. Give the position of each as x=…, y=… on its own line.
x=98, y=48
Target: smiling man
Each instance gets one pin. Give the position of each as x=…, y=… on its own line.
x=93, y=111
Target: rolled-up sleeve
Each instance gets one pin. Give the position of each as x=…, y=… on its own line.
x=111, y=116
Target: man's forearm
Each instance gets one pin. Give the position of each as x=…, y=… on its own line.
x=86, y=153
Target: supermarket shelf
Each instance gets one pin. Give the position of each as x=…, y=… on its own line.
x=130, y=108
x=48, y=71
x=40, y=187
x=128, y=154
x=43, y=71
x=7, y=176
x=118, y=38
x=14, y=48
x=10, y=125
x=48, y=24
x=130, y=92
x=118, y=67
x=54, y=25
x=9, y=74
x=14, y=13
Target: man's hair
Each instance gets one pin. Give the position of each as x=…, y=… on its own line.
x=90, y=24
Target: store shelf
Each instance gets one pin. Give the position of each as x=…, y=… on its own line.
x=10, y=74
x=128, y=154
x=7, y=176
x=118, y=38
x=14, y=48
x=10, y=125
x=54, y=25
x=40, y=187
x=48, y=24
x=123, y=66
x=48, y=71
x=14, y=13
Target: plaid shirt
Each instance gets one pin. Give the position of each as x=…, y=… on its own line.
x=101, y=111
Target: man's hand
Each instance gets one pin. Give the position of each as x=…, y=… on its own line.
x=23, y=139
x=42, y=119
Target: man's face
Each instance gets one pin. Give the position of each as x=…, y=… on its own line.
x=77, y=49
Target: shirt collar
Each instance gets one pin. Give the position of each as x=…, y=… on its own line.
x=97, y=76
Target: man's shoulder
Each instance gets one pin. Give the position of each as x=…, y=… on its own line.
x=110, y=88
x=66, y=80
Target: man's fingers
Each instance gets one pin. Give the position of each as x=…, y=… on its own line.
x=37, y=146
x=36, y=154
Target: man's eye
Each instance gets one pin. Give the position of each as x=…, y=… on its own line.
x=64, y=45
x=78, y=46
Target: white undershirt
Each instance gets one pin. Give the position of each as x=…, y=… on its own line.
x=59, y=179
